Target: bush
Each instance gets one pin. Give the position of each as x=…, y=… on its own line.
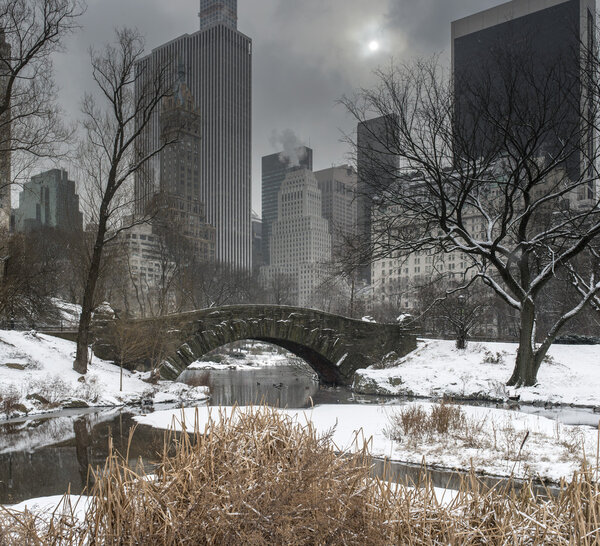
x=577, y=339
x=10, y=401
x=414, y=422
x=253, y=478
x=493, y=358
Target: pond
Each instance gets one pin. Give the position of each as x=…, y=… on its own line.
x=48, y=455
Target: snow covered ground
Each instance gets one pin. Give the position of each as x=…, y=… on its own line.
x=491, y=443
x=259, y=355
x=570, y=374
x=36, y=376
x=59, y=505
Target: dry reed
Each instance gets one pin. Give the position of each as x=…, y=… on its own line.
x=260, y=477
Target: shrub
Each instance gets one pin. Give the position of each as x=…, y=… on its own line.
x=10, y=401
x=446, y=416
x=493, y=358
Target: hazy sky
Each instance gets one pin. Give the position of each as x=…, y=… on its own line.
x=307, y=54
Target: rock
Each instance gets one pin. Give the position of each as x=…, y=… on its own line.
x=75, y=403
x=15, y=366
x=41, y=399
x=19, y=408
x=395, y=381
x=364, y=385
x=81, y=379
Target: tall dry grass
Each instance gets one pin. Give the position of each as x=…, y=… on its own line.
x=260, y=477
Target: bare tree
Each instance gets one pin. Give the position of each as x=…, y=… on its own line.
x=110, y=153
x=280, y=288
x=494, y=175
x=460, y=312
x=30, y=32
x=28, y=278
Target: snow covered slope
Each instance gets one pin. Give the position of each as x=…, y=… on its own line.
x=36, y=375
x=569, y=375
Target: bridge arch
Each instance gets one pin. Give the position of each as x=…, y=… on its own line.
x=206, y=341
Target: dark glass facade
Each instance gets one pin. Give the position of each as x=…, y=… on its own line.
x=377, y=169
x=539, y=52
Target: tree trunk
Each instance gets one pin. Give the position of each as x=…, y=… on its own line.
x=87, y=306
x=528, y=359
x=352, y=296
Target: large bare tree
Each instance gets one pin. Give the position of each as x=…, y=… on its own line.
x=502, y=175
x=30, y=32
x=110, y=154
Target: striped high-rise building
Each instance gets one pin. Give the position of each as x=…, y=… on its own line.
x=218, y=61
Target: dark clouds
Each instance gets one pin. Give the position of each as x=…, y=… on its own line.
x=307, y=53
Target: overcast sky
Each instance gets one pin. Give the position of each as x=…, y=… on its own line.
x=307, y=54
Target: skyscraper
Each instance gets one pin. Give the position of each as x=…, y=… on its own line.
x=544, y=47
x=300, y=239
x=218, y=61
x=274, y=169
x=181, y=215
x=377, y=165
x=49, y=200
x=338, y=198
x=5, y=174
x=257, y=260
x=216, y=12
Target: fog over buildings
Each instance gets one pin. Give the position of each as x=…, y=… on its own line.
x=305, y=56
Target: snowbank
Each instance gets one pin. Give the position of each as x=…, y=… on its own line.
x=59, y=505
x=570, y=374
x=36, y=376
x=552, y=450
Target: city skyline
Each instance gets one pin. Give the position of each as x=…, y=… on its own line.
x=296, y=81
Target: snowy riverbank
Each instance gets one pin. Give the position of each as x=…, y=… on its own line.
x=37, y=376
x=489, y=443
x=569, y=375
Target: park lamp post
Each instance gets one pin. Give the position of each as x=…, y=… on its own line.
x=461, y=340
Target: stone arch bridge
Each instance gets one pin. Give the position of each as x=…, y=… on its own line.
x=334, y=346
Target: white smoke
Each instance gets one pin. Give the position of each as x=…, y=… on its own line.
x=293, y=148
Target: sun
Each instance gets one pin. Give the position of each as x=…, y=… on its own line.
x=373, y=45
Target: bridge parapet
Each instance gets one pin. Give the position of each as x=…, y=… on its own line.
x=334, y=346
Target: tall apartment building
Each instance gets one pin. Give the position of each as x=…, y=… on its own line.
x=549, y=40
x=300, y=240
x=181, y=214
x=49, y=199
x=218, y=61
x=274, y=169
x=339, y=204
x=5, y=174
x=376, y=169
x=143, y=287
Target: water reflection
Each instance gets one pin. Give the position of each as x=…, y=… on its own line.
x=45, y=456
x=36, y=471
x=281, y=386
